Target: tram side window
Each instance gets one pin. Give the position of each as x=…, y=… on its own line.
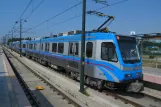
x=89, y=49
x=31, y=46
x=108, y=52
x=23, y=46
x=42, y=46
x=71, y=48
x=54, y=47
x=35, y=46
x=76, y=48
x=47, y=47
x=60, y=47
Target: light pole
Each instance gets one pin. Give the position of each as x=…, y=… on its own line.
x=12, y=31
x=83, y=47
x=21, y=33
x=4, y=39
x=12, y=42
x=7, y=38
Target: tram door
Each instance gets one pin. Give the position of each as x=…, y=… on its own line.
x=73, y=55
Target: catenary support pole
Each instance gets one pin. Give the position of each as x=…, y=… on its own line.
x=83, y=47
x=20, y=37
x=12, y=42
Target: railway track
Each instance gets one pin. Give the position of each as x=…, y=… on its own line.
x=136, y=100
x=140, y=98
x=125, y=100
x=48, y=97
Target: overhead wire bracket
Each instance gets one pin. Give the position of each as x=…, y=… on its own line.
x=110, y=19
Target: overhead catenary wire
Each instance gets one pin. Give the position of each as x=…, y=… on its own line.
x=62, y=22
x=26, y=9
x=65, y=20
x=86, y=12
x=112, y=4
x=23, y=12
x=34, y=9
x=55, y=24
x=31, y=11
x=55, y=16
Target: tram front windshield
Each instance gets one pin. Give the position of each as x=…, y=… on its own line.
x=129, y=50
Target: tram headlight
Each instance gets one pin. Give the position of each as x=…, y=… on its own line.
x=128, y=75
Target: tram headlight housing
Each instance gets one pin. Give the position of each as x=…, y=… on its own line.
x=128, y=75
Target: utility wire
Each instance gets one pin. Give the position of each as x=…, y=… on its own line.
x=35, y=9
x=62, y=22
x=31, y=11
x=81, y=15
x=112, y=4
x=86, y=12
x=25, y=9
x=65, y=20
x=54, y=16
x=23, y=12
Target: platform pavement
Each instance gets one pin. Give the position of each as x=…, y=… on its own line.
x=11, y=93
x=152, y=75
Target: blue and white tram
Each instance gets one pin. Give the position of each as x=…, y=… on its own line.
x=16, y=46
x=111, y=61
x=23, y=47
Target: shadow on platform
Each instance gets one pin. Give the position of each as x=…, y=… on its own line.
x=41, y=99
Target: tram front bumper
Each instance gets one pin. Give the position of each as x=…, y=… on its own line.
x=135, y=86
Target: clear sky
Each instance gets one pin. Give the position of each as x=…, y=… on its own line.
x=141, y=16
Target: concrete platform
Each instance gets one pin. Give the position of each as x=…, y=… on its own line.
x=152, y=75
x=11, y=93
